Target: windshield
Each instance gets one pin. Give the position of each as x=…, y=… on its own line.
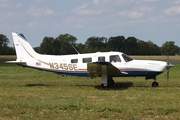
x=127, y=58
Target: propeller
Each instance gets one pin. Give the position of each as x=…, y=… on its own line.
x=168, y=66
x=167, y=73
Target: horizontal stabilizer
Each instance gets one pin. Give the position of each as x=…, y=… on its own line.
x=15, y=62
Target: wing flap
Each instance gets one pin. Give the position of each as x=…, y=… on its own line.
x=95, y=69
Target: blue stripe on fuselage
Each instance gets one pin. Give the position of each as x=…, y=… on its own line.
x=130, y=73
x=80, y=74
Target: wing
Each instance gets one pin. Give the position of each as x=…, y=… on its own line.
x=97, y=69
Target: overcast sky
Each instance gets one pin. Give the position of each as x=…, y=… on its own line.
x=155, y=20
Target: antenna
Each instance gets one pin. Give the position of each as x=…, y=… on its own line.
x=75, y=49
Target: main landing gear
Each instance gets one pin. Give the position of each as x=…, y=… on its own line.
x=110, y=82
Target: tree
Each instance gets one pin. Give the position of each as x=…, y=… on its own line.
x=153, y=49
x=131, y=45
x=56, y=50
x=37, y=49
x=169, y=48
x=94, y=44
x=8, y=51
x=65, y=42
x=116, y=43
x=58, y=46
x=80, y=47
x=142, y=48
x=4, y=41
x=46, y=47
x=63, y=45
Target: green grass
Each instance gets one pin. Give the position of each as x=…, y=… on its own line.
x=32, y=94
x=4, y=58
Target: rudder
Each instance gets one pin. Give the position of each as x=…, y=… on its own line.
x=22, y=47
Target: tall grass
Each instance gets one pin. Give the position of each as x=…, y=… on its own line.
x=4, y=58
x=31, y=94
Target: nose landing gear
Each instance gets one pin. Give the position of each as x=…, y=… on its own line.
x=155, y=84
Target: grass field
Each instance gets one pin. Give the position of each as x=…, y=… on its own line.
x=32, y=94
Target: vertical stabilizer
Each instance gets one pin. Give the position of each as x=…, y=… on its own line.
x=22, y=47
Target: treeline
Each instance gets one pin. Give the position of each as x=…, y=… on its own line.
x=4, y=48
x=62, y=45
x=66, y=44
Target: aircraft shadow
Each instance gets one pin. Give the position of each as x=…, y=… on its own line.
x=37, y=85
x=117, y=86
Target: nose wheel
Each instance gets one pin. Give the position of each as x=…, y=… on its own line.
x=155, y=84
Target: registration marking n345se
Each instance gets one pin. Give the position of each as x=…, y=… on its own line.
x=62, y=66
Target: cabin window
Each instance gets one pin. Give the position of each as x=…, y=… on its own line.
x=87, y=60
x=101, y=58
x=74, y=60
x=115, y=58
x=127, y=58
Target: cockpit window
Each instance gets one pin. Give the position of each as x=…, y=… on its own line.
x=127, y=58
x=115, y=58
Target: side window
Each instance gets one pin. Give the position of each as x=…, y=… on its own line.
x=74, y=60
x=87, y=60
x=101, y=58
x=115, y=58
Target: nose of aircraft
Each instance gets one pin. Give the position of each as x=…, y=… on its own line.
x=169, y=65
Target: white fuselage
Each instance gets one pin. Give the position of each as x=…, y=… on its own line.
x=76, y=64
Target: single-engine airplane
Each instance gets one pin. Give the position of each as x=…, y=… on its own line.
x=100, y=64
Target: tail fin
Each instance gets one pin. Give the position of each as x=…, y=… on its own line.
x=22, y=47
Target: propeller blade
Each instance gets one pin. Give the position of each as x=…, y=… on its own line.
x=168, y=66
x=167, y=75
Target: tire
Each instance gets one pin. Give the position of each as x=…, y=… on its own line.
x=155, y=84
